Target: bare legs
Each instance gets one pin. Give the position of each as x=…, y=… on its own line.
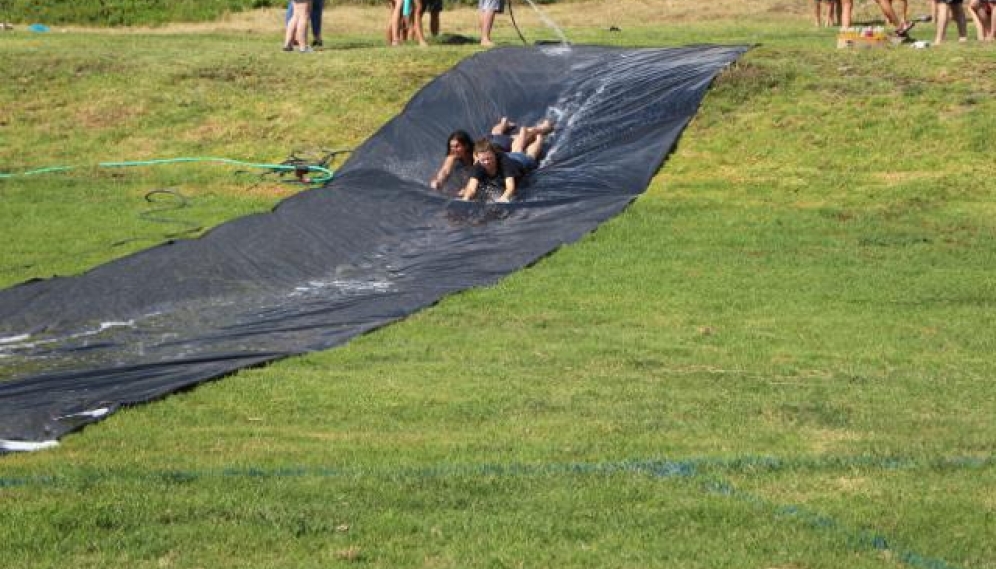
x=832, y=6
x=985, y=24
x=529, y=140
x=890, y=14
x=397, y=28
x=487, y=21
x=944, y=13
x=846, y=9
x=297, y=27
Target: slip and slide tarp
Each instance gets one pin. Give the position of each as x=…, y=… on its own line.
x=376, y=245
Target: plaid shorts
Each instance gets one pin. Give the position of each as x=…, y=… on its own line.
x=493, y=5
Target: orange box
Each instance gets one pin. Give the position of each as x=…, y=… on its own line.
x=862, y=38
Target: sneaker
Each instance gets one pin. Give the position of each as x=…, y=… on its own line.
x=306, y=49
x=288, y=48
x=317, y=43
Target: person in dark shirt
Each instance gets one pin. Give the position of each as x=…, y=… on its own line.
x=496, y=174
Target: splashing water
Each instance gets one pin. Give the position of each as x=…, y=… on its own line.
x=550, y=23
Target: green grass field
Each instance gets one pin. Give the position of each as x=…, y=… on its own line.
x=779, y=357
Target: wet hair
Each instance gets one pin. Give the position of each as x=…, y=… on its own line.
x=460, y=136
x=484, y=145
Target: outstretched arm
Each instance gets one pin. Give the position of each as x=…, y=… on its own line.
x=443, y=174
x=470, y=190
x=509, y=192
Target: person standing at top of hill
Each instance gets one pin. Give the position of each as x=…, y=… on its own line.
x=486, y=10
x=401, y=19
x=433, y=7
x=297, y=27
x=317, y=7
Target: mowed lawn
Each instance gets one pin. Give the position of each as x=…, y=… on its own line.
x=780, y=356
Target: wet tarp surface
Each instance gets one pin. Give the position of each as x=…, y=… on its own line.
x=374, y=246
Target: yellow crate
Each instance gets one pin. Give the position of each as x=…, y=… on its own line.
x=862, y=38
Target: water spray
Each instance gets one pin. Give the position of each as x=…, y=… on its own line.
x=544, y=18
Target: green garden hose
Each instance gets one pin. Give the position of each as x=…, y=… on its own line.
x=300, y=169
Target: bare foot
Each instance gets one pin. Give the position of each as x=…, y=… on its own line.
x=504, y=126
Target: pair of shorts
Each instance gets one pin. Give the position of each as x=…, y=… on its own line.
x=432, y=6
x=526, y=161
x=502, y=142
x=491, y=5
x=949, y=2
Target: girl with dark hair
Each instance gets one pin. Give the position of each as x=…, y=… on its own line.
x=459, y=155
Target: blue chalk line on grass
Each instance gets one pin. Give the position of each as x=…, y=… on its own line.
x=707, y=468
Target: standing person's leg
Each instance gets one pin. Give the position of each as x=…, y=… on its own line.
x=416, y=22
x=846, y=8
x=904, y=12
x=817, y=18
x=487, y=10
x=288, y=35
x=390, y=18
x=958, y=10
x=297, y=29
x=976, y=10
x=433, y=7
x=317, y=8
x=305, y=19
x=943, y=14
x=833, y=13
x=302, y=11
x=886, y=7
x=991, y=33
x=396, y=16
x=437, y=7
x=419, y=13
x=290, y=31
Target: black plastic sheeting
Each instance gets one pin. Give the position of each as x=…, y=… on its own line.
x=377, y=244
